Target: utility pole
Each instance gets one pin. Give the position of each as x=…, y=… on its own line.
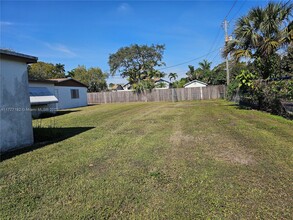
x=226, y=41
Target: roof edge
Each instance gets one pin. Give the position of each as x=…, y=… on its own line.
x=195, y=81
x=25, y=57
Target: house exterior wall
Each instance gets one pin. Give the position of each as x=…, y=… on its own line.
x=49, y=86
x=195, y=84
x=63, y=94
x=15, y=117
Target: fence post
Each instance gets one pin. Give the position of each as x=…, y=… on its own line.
x=105, y=98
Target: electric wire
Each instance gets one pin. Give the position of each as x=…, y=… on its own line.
x=185, y=62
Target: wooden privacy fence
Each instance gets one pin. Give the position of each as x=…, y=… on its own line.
x=159, y=95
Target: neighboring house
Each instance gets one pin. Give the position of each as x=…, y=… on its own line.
x=127, y=87
x=70, y=93
x=162, y=84
x=42, y=97
x=16, y=129
x=195, y=83
x=117, y=87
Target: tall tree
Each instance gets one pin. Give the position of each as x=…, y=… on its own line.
x=93, y=77
x=42, y=70
x=137, y=63
x=173, y=76
x=193, y=73
x=287, y=62
x=205, y=69
x=260, y=34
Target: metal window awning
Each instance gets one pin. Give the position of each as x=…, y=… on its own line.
x=41, y=96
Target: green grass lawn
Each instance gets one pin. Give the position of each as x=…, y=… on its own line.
x=186, y=160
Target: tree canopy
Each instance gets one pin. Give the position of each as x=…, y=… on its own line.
x=260, y=34
x=138, y=64
x=42, y=70
x=93, y=77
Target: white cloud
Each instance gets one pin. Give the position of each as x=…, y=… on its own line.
x=5, y=23
x=124, y=7
x=61, y=48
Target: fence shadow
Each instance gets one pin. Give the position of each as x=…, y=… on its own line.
x=46, y=136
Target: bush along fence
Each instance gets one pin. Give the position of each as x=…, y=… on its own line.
x=159, y=95
x=275, y=97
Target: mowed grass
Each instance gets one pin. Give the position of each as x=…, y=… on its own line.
x=185, y=160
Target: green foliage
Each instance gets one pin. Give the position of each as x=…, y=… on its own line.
x=172, y=76
x=42, y=70
x=267, y=96
x=287, y=62
x=160, y=85
x=203, y=73
x=233, y=89
x=260, y=34
x=180, y=83
x=137, y=63
x=111, y=85
x=93, y=77
x=142, y=86
x=245, y=79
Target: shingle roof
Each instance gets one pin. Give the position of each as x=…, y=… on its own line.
x=60, y=80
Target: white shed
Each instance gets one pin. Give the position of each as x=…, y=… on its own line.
x=15, y=117
x=195, y=83
x=70, y=93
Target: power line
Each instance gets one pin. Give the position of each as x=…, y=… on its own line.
x=179, y=64
x=210, y=51
x=219, y=31
x=241, y=6
x=234, y=3
x=214, y=42
x=215, y=56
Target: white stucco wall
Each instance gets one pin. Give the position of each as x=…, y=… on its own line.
x=195, y=84
x=15, y=117
x=63, y=94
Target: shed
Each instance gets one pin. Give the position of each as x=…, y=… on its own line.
x=15, y=116
x=194, y=84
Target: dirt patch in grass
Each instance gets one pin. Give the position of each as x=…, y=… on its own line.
x=230, y=150
x=236, y=155
x=180, y=139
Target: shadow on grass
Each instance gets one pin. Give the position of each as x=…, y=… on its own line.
x=240, y=106
x=46, y=136
x=58, y=113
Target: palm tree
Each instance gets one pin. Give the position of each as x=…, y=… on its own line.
x=191, y=74
x=173, y=76
x=260, y=34
x=205, y=69
x=205, y=65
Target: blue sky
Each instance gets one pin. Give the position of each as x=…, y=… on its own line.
x=86, y=32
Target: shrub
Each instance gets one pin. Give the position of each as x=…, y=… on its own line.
x=268, y=96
